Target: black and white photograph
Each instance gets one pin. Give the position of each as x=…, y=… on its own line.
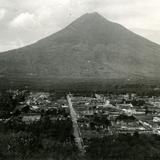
x=79, y=80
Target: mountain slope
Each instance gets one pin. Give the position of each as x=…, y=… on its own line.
x=91, y=47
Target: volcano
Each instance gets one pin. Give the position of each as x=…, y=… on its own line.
x=90, y=48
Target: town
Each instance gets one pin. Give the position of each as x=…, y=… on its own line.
x=76, y=119
x=114, y=114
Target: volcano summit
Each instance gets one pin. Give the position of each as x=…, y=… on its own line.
x=89, y=48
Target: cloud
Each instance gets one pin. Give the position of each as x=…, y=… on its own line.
x=2, y=13
x=23, y=20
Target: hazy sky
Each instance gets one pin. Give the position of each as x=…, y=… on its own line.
x=25, y=21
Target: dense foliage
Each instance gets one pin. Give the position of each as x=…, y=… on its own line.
x=124, y=147
x=9, y=100
x=43, y=139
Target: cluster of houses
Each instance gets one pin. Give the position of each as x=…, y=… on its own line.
x=97, y=116
x=39, y=104
x=125, y=113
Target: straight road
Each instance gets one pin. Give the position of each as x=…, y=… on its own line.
x=76, y=130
